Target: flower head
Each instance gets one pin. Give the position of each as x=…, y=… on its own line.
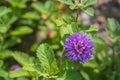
x=50, y=33
x=15, y=67
x=79, y=47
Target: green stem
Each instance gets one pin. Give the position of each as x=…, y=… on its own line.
x=77, y=15
x=113, y=57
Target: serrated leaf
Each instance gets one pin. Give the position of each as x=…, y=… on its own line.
x=63, y=31
x=89, y=11
x=21, y=30
x=22, y=58
x=29, y=67
x=46, y=56
x=18, y=73
x=69, y=29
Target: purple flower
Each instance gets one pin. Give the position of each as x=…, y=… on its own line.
x=15, y=67
x=79, y=47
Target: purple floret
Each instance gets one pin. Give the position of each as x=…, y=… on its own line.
x=15, y=67
x=79, y=47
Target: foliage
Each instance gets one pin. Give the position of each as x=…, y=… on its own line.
x=53, y=21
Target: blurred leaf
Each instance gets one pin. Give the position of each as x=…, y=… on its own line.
x=29, y=67
x=4, y=11
x=117, y=59
x=90, y=2
x=114, y=39
x=83, y=1
x=70, y=75
x=60, y=22
x=11, y=42
x=89, y=11
x=90, y=28
x=4, y=74
x=64, y=38
x=91, y=64
x=98, y=41
x=18, y=73
x=40, y=8
x=89, y=73
x=68, y=2
x=1, y=1
x=1, y=63
x=69, y=29
x=34, y=47
x=22, y=30
x=22, y=58
x=66, y=19
x=18, y=3
x=63, y=31
x=113, y=24
x=5, y=54
x=6, y=21
x=31, y=15
x=3, y=28
x=47, y=8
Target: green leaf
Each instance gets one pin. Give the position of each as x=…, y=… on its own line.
x=34, y=46
x=3, y=28
x=91, y=64
x=18, y=3
x=69, y=29
x=68, y=2
x=4, y=74
x=98, y=41
x=1, y=63
x=46, y=56
x=83, y=1
x=22, y=58
x=40, y=8
x=90, y=2
x=89, y=11
x=31, y=15
x=11, y=42
x=6, y=21
x=21, y=30
x=18, y=73
x=4, y=11
x=5, y=54
x=63, y=31
x=112, y=24
x=70, y=75
x=90, y=28
x=89, y=73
